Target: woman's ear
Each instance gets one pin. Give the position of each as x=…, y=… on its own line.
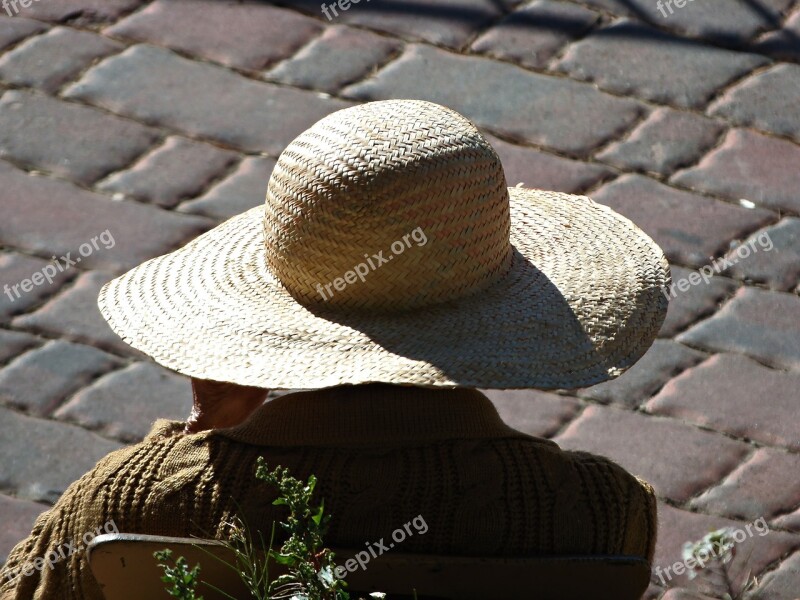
x=219, y=404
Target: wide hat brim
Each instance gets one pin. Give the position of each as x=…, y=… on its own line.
x=581, y=303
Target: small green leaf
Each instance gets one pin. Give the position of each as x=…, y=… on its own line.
x=317, y=518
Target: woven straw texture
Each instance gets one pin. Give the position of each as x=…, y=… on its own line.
x=390, y=250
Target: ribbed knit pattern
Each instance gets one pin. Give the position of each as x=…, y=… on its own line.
x=383, y=455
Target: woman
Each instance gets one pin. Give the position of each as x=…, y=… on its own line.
x=436, y=279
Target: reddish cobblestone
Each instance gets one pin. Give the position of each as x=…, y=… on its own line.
x=661, y=362
x=18, y=518
x=14, y=343
x=42, y=378
x=241, y=191
x=677, y=459
x=178, y=170
x=73, y=315
x=57, y=455
x=697, y=302
x=782, y=583
x=17, y=269
x=690, y=229
x=50, y=217
x=783, y=43
x=40, y=132
x=532, y=35
x=631, y=58
x=49, y=61
x=80, y=12
x=667, y=140
x=766, y=101
x=342, y=55
x=14, y=29
x=755, y=553
x=723, y=20
x=545, y=171
x=548, y=111
x=752, y=166
x=683, y=594
x=764, y=486
x=443, y=23
x=770, y=256
x=541, y=414
x=245, y=35
x=124, y=404
x=790, y=521
x=736, y=395
x=255, y=116
x=765, y=325
x=653, y=592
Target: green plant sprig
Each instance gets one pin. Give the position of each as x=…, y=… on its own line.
x=309, y=566
x=182, y=580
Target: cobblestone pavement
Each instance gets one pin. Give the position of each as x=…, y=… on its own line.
x=158, y=120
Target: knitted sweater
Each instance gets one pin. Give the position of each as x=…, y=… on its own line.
x=383, y=455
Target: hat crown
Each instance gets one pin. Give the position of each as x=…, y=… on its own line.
x=388, y=206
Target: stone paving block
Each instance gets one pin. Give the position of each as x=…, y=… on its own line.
x=535, y=33
x=342, y=55
x=783, y=43
x=548, y=111
x=178, y=170
x=750, y=166
x=677, y=459
x=41, y=132
x=14, y=343
x=537, y=413
x=720, y=20
x=736, y=395
x=689, y=228
x=653, y=592
x=756, y=547
x=782, y=583
x=60, y=454
x=247, y=35
x=52, y=217
x=14, y=29
x=682, y=594
x=18, y=517
x=660, y=363
x=450, y=23
x=17, y=272
x=540, y=170
x=124, y=404
x=39, y=380
x=766, y=101
x=631, y=58
x=693, y=302
x=770, y=256
x=668, y=139
x=80, y=12
x=762, y=324
x=49, y=61
x=764, y=486
x=204, y=100
x=241, y=191
x=790, y=521
x=73, y=315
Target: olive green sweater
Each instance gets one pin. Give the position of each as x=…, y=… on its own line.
x=383, y=455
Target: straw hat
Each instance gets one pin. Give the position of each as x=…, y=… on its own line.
x=390, y=250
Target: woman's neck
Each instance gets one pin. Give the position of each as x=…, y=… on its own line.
x=370, y=415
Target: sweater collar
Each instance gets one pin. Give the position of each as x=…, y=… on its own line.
x=370, y=415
